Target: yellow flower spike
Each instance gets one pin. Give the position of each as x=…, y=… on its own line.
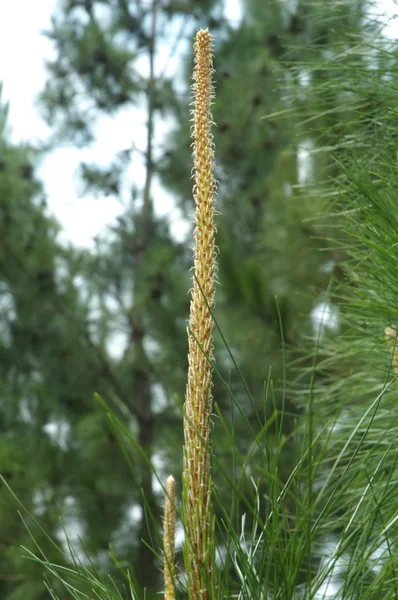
x=391, y=338
x=197, y=509
x=169, y=524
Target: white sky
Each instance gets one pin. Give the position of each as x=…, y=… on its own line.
x=23, y=51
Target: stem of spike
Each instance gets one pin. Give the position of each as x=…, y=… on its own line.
x=169, y=523
x=197, y=508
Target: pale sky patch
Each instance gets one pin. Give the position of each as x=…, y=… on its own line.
x=23, y=52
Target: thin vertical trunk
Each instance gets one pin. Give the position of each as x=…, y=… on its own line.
x=146, y=568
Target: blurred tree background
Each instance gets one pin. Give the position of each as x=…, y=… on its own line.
x=112, y=320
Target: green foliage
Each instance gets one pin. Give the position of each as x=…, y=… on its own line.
x=303, y=469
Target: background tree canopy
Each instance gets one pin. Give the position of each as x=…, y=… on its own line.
x=298, y=91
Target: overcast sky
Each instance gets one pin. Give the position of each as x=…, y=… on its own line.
x=23, y=50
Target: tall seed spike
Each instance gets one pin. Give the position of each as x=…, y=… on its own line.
x=391, y=338
x=169, y=523
x=197, y=509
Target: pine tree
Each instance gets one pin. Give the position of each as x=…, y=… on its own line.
x=38, y=362
x=137, y=265
x=135, y=281
x=272, y=272
x=57, y=335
